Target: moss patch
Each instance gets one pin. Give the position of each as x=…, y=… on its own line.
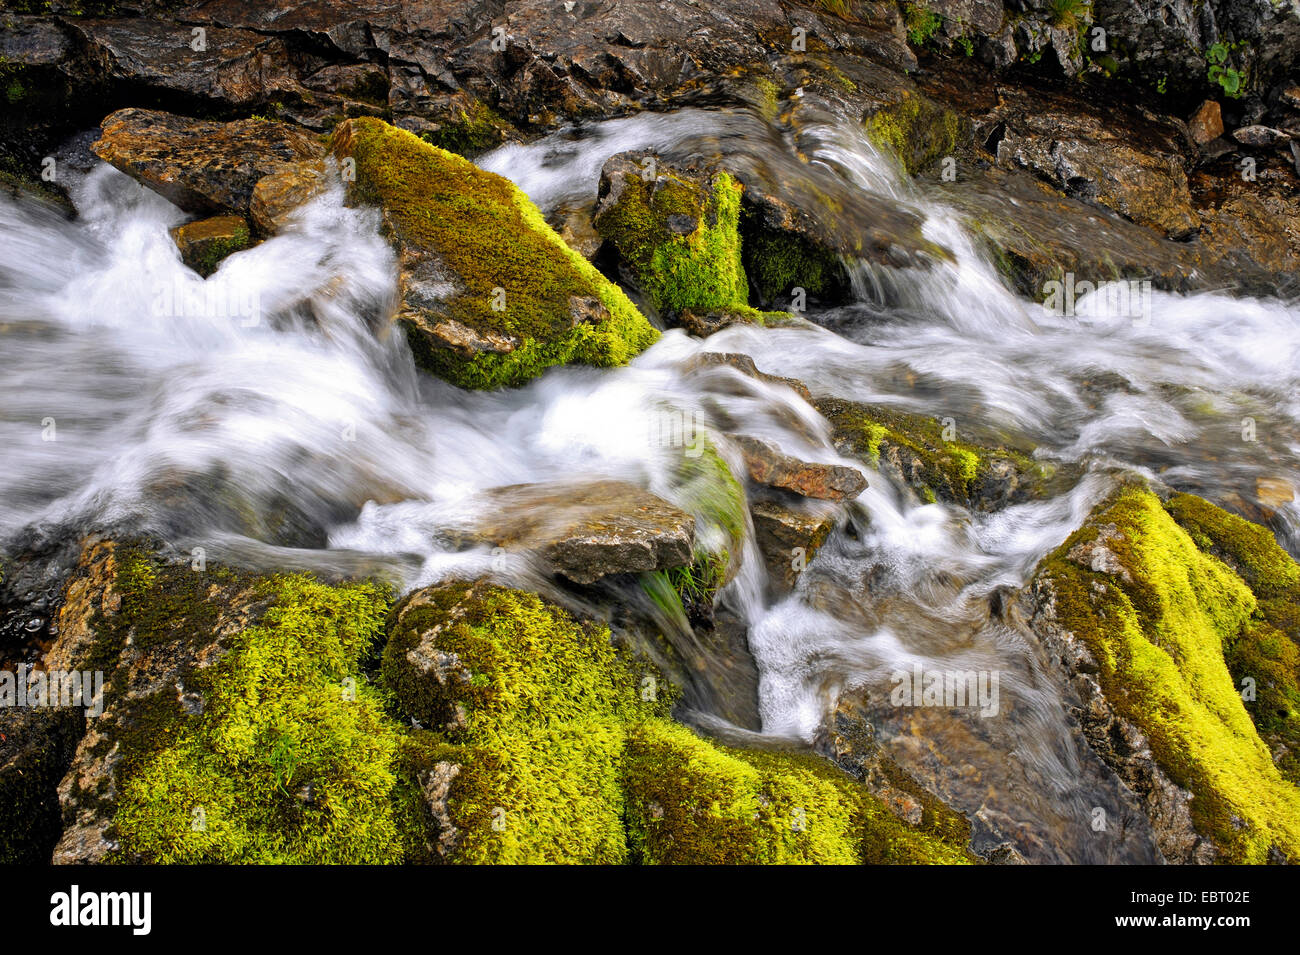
x=914, y=449
x=1158, y=631
x=681, y=237
x=1268, y=649
x=694, y=802
x=290, y=757
x=538, y=704
x=917, y=130
x=778, y=262
x=477, y=233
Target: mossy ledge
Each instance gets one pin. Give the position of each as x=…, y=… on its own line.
x=914, y=449
x=258, y=738
x=1156, y=615
x=556, y=747
x=491, y=295
x=918, y=131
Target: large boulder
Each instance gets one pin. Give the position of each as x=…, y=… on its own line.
x=490, y=294
x=553, y=745
x=1138, y=612
x=202, y=166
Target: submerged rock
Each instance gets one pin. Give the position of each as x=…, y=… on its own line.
x=490, y=294
x=586, y=530
x=199, y=165
x=1139, y=613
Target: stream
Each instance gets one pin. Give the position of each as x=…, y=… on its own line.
x=267, y=415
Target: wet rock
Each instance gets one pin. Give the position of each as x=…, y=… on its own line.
x=1103, y=607
x=702, y=324
x=205, y=242
x=36, y=746
x=745, y=365
x=1088, y=155
x=233, y=67
x=1274, y=492
x=917, y=452
x=788, y=539
x=199, y=165
x=278, y=194
x=827, y=482
x=491, y=296
x=587, y=530
x=1259, y=136
x=1206, y=123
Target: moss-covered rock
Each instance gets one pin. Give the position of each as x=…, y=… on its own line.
x=204, y=243
x=238, y=723
x=536, y=705
x=491, y=295
x=678, y=231
x=914, y=450
x=917, y=130
x=695, y=802
x=1136, y=609
x=1267, y=652
x=556, y=748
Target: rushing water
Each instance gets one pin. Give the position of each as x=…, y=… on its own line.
x=268, y=415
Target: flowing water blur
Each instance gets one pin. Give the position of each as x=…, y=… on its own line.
x=269, y=415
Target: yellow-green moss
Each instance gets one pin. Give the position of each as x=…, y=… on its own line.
x=538, y=703
x=489, y=235
x=292, y=758
x=690, y=801
x=564, y=752
x=700, y=269
x=955, y=471
x=916, y=130
x=1268, y=650
x=1159, y=638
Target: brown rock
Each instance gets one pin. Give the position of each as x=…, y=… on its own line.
x=1274, y=492
x=827, y=482
x=788, y=539
x=205, y=242
x=586, y=530
x=201, y=166
x=1206, y=123
x=277, y=195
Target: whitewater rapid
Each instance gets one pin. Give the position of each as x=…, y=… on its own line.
x=270, y=415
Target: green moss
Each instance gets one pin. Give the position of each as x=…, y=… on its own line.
x=1268, y=650
x=777, y=262
x=1159, y=637
x=916, y=130
x=473, y=131
x=681, y=237
x=914, y=447
x=707, y=489
x=538, y=704
x=691, y=801
x=488, y=235
x=292, y=758
x=563, y=752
